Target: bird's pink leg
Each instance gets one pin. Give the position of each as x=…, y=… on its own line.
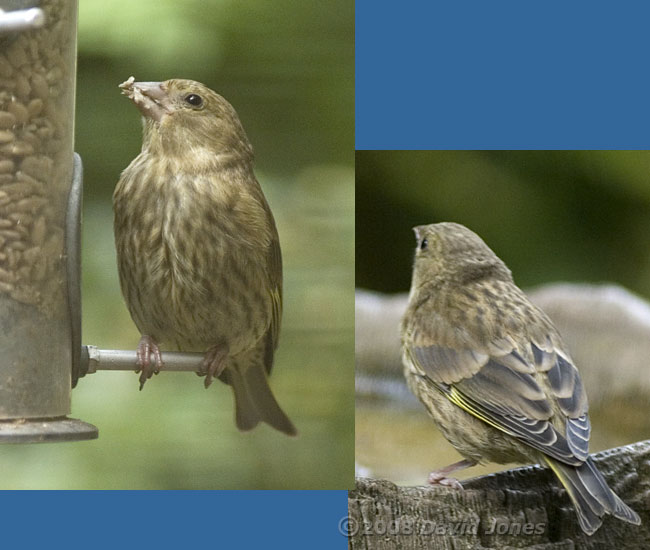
x=214, y=363
x=146, y=348
x=439, y=477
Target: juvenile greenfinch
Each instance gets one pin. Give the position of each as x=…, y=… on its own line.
x=197, y=247
x=493, y=372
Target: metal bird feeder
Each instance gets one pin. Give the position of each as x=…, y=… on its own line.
x=40, y=200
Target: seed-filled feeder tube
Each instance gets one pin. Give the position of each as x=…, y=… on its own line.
x=40, y=199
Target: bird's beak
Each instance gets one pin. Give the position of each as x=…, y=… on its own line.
x=418, y=231
x=149, y=97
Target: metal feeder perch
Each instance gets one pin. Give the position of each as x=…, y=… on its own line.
x=41, y=356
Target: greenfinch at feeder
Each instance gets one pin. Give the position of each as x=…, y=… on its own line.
x=197, y=247
x=493, y=372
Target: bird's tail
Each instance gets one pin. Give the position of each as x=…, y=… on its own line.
x=254, y=401
x=591, y=495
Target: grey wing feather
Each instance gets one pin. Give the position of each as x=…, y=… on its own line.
x=566, y=385
x=503, y=392
x=447, y=365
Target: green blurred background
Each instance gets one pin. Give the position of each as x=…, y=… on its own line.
x=551, y=215
x=288, y=68
x=571, y=216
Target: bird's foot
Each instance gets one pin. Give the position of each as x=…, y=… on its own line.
x=436, y=478
x=147, y=347
x=439, y=477
x=214, y=363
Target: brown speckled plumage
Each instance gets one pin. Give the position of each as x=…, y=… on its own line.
x=198, y=251
x=493, y=371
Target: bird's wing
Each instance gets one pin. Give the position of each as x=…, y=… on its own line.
x=501, y=388
x=275, y=289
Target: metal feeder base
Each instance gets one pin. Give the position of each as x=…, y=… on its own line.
x=46, y=430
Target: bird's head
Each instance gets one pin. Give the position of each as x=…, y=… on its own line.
x=449, y=252
x=182, y=117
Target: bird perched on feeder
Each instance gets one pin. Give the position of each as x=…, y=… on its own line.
x=493, y=371
x=197, y=247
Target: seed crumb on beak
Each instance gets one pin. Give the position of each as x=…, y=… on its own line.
x=127, y=84
x=148, y=97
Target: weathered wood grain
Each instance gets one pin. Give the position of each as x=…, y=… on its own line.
x=519, y=508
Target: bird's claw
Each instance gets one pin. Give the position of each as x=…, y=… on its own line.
x=146, y=348
x=437, y=478
x=214, y=363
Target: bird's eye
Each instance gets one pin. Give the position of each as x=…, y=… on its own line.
x=194, y=100
x=424, y=244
